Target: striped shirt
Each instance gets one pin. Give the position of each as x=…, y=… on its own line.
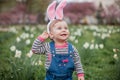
x=41, y=47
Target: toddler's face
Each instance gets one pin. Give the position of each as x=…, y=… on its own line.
x=60, y=31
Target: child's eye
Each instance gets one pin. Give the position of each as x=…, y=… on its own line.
x=59, y=28
x=66, y=28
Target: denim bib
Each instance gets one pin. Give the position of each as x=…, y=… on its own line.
x=62, y=65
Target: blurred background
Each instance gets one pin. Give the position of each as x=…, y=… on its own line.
x=94, y=27
x=76, y=12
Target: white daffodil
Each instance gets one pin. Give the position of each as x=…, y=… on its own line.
x=30, y=54
x=114, y=50
x=93, y=27
x=72, y=38
x=13, y=29
x=18, y=39
x=86, y=45
x=18, y=53
x=118, y=30
x=27, y=28
x=115, y=56
x=92, y=46
x=27, y=41
x=24, y=35
x=94, y=33
x=79, y=31
x=13, y=48
x=37, y=63
x=109, y=31
x=101, y=46
x=103, y=36
x=40, y=62
x=76, y=41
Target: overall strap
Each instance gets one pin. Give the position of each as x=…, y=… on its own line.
x=52, y=47
x=70, y=48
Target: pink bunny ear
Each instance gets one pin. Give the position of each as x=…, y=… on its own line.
x=51, y=10
x=59, y=9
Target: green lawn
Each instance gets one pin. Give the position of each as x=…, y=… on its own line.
x=98, y=46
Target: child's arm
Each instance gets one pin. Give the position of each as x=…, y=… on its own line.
x=78, y=65
x=38, y=45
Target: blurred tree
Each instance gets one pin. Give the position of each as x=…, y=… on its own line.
x=36, y=6
x=5, y=5
x=75, y=12
x=33, y=6
x=99, y=13
x=113, y=15
x=39, y=7
x=30, y=7
x=117, y=2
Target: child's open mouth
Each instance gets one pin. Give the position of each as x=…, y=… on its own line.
x=63, y=34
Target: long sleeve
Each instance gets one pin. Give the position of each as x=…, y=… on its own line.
x=77, y=62
x=39, y=47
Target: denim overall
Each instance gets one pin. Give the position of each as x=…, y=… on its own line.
x=62, y=65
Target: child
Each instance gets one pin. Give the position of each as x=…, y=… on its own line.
x=62, y=58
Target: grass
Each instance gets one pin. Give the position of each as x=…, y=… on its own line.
x=99, y=63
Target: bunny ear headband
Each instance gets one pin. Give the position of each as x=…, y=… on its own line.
x=53, y=13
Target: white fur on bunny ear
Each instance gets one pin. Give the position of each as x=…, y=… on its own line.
x=48, y=26
x=59, y=9
x=51, y=10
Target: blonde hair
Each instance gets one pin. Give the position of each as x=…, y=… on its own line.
x=53, y=23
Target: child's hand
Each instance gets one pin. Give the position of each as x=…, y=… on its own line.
x=44, y=35
x=81, y=78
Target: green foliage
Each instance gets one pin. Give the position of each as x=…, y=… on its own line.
x=37, y=5
x=6, y=5
x=99, y=63
x=33, y=6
